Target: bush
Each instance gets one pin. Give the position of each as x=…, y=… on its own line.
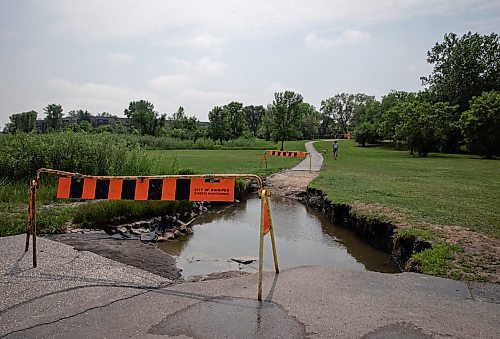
x=481, y=125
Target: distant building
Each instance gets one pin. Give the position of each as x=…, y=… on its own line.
x=42, y=125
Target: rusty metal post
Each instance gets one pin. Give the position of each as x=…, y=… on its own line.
x=28, y=220
x=271, y=231
x=33, y=187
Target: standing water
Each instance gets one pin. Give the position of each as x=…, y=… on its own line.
x=303, y=237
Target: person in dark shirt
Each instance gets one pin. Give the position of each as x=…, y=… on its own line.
x=335, y=149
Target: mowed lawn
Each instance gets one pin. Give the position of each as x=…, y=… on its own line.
x=223, y=161
x=444, y=189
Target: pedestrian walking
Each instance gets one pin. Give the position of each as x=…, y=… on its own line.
x=335, y=149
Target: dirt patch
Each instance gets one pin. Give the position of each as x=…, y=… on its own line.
x=131, y=252
x=289, y=183
x=480, y=256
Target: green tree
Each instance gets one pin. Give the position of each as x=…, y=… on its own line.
x=311, y=120
x=366, y=132
x=265, y=128
x=80, y=115
x=143, y=117
x=106, y=115
x=192, y=126
x=236, y=116
x=54, y=114
x=341, y=106
x=367, y=119
x=464, y=68
x=219, y=124
x=286, y=116
x=22, y=122
x=179, y=118
x=391, y=106
x=425, y=125
x=253, y=117
x=327, y=125
x=481, y=125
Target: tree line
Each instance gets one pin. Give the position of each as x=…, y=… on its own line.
x=459, y=110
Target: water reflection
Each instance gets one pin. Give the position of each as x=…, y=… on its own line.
x=303, y=237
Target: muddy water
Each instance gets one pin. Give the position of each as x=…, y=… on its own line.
x=303, y=237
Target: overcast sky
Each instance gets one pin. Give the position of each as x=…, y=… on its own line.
x=101, y=54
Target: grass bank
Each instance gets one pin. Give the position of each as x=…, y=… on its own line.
x=434, y=194
x=52, y=215
x=446, y=189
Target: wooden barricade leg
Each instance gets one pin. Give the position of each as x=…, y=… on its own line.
x=271, y=231
x=261, y=244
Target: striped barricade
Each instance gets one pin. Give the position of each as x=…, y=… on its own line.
x=216, y=187
x=290, y=154
x=167, y=189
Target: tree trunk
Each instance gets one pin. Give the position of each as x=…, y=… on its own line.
x=282, y=142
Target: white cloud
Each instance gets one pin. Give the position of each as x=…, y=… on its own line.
x=348, y=37
x=120, y=58
x=95, y=97
x=170, y=81
x=209, y=23
x=187, y=73
x=203, y=41
x=351, y=37
x=315, y=41
x=202, y=66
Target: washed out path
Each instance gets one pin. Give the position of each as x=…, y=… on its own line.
x=294, y=182
x=79, y=294
x=75, y=294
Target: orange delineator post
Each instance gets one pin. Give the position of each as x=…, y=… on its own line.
x=263, y=159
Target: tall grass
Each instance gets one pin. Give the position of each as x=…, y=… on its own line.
x=98, y=154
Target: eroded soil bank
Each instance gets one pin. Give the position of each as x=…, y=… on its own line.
x=478, y=260
x=480, y=251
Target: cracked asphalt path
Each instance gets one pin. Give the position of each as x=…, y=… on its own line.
x=80, y=295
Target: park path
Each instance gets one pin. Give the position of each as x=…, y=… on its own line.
x=316, y=161
x=293, y=183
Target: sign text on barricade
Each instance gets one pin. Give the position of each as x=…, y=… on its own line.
x=214, y=187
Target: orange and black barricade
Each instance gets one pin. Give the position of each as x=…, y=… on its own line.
x=215, y=187
x=292, y=154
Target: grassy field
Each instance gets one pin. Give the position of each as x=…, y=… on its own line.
x=222, y=161
x=445, y=189
x=211, y=162
x=14, y=194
